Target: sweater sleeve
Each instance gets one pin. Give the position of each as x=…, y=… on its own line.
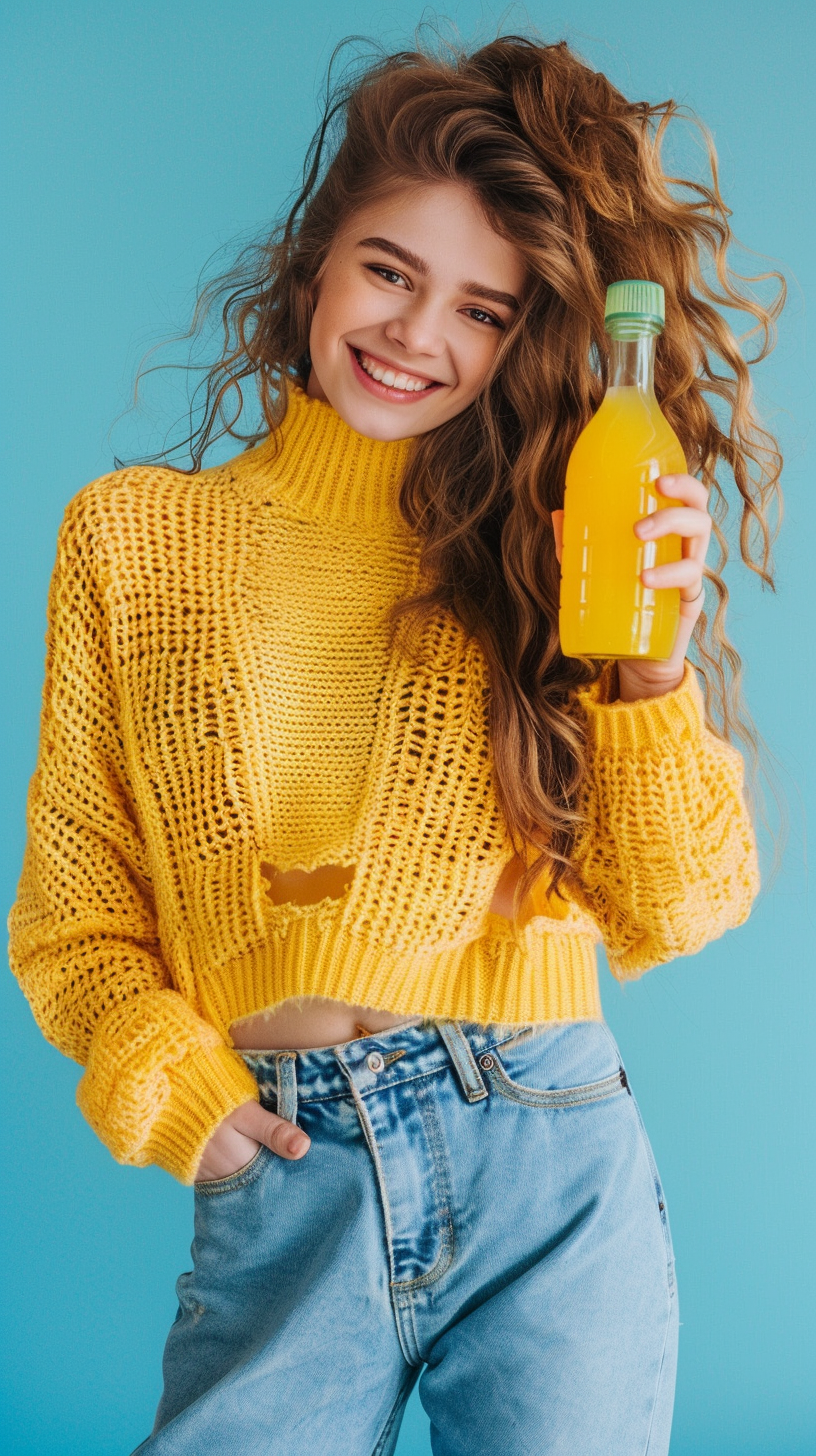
x=667, y=859
x=83, y=936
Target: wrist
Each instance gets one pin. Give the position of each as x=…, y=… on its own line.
x=634, y=683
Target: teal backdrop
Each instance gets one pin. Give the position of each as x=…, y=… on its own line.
x=140, y=139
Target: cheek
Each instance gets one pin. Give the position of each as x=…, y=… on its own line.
x=342, y=307
x=326, y=344
x=322, y=326
x=475, y=356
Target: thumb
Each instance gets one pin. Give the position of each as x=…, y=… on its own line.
x=281, y=1137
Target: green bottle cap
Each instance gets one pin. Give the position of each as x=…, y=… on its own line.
x=634, y=307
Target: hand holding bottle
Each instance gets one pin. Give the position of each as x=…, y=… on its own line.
x=692, y=523
x=634, y=531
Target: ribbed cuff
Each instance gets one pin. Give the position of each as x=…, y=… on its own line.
x=657, y=724
x=206, y=1086
x=158, y=1080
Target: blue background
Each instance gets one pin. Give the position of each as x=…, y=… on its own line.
x=141, y=138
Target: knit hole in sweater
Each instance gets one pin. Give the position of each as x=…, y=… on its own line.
x=307, y=887
x=537, y=903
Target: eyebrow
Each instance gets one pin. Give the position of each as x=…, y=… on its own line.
x=473, y=290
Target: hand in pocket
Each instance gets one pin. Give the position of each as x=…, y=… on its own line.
x=237, y=1138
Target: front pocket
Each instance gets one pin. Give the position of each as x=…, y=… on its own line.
x=550, y=1097
x=238, y=1179
x=561, y=1065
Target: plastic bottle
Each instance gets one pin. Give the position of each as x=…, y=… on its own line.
x=605, y=609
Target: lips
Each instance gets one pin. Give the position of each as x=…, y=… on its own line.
x=396, y=369
x=385, y=391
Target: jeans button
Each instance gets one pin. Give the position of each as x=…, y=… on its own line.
x=374, y=1062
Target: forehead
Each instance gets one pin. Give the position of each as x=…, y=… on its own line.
x=443, y=224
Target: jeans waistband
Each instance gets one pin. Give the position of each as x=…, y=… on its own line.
x=377, y=1061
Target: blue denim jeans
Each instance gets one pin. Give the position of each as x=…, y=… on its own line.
x=480, y=1210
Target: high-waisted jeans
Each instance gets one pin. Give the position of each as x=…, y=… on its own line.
x=479, y=1209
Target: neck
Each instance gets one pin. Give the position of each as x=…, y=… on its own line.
x=631, y=363
x=323, y=469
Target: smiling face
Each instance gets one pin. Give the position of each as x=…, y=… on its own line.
x=418, y=289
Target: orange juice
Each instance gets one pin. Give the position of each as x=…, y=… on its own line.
x=605, y=609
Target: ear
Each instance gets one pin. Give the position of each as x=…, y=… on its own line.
x=557, y=518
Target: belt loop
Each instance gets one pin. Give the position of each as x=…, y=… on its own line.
x=287, y=1085
x=461, y=1054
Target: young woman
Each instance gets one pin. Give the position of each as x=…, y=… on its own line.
x=325, y=830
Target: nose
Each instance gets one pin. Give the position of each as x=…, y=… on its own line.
x=416, y=329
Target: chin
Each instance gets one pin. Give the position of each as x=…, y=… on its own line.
x=375, y=421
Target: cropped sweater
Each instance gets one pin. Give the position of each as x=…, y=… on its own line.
x=221, y=696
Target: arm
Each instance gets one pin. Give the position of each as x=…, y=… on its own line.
x=83, y=936
x=667, y=858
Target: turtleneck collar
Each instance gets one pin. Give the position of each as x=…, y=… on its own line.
x=325, y=470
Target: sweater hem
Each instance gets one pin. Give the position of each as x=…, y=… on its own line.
x=550, y=976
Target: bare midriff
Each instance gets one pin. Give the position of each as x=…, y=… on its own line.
x=318, y=1021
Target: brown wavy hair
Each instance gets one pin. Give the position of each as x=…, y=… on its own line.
x=568, y=170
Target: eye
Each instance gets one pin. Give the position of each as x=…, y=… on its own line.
x=378, y=268
x=489, y=316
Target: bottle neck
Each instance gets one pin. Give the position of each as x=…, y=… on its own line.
x=631, y=362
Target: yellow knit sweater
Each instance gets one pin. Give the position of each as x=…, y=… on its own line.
x=221, y=695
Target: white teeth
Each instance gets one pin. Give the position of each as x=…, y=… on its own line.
x=388, y=376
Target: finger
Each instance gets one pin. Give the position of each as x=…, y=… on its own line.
x=685, y=488
x=557, y=518
x=280, y=1136
x=678, y=520
x=685, y=573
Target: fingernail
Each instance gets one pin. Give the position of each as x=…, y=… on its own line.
x=644, y=528
x=298, y=1143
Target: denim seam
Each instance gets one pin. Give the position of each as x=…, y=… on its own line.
x=442, y=1204
x=399, y=1405
x=412, y=1315
x=443, y=1262
x=402, y=1303
x=554, y=1098
x=368, y=1133
x=660, y=1197
x=659, y=1376
x=211, y=1186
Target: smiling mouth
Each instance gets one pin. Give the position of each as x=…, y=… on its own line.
x=401, y=384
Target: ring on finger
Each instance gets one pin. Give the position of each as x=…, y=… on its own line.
x=692, y=600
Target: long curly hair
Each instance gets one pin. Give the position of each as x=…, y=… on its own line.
x=569, y=171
